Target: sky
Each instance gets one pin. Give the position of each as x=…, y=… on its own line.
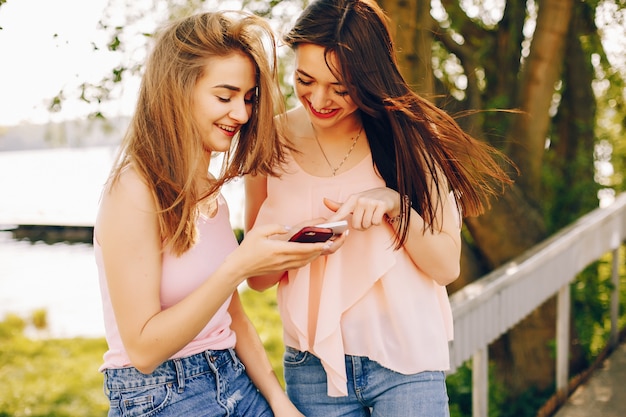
x=36, y=64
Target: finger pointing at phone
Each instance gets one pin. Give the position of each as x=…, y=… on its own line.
x=367, y=208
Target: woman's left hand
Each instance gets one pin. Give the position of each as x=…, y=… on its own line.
x=368, y=208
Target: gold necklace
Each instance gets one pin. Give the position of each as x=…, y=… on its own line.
x=334, y=170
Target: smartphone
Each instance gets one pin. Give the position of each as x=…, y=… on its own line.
x=312, y=234
x=320, y=232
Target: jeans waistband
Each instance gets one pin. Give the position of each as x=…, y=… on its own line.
x=172, y=370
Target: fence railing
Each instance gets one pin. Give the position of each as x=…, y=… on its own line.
x=490, y=306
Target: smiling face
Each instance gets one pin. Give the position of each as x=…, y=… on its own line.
x=325, y=98
x=223, y=98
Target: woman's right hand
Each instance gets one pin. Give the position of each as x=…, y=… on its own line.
x=263, y=251
x=266, y=248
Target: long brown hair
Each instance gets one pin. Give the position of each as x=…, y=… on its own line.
x=163, y=143
x=411, y=139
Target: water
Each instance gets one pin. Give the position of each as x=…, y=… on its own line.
x=61, y=278
x=59, y=186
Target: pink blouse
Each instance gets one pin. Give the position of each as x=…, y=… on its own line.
x=180, y=276
x=365, y=299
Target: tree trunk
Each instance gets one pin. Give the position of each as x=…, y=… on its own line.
x=412, y=27
x=515, y=222
x=570, y=156
x=541, y=72
x=572, y=159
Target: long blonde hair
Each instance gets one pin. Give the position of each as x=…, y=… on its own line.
x=163, y=143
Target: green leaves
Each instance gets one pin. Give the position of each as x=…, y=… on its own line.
x=41, y=377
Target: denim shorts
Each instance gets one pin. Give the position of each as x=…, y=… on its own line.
x=372, y=389
x=211, y=383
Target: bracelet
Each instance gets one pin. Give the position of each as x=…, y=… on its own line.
x=406, y=202
x=395, y=219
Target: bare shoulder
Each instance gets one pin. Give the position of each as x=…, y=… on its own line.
x=297, y=117
x=129, y=187
x=297, y=124
x=126, y=203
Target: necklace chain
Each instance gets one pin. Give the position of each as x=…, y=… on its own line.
x=334, y=170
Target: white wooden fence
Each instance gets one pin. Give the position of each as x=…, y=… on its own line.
x=490, y=306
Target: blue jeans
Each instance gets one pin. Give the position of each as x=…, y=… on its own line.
x=211, y=383
x=372, y=389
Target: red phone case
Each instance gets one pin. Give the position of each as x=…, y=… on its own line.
x=311, y=234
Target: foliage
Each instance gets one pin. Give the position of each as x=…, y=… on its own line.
x=128, y=29
x=41, y=377
x=591, y=303
x=459, y=387
x=262, y=309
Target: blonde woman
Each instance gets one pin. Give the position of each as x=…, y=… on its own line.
x=179, y=342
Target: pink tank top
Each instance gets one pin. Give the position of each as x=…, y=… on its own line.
x=181, y=275
x=366, y=299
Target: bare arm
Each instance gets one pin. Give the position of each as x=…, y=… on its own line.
x=256, y=193
x=436, y=253
x=258, y=367
x=128, y=233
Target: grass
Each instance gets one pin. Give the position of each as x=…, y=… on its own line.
x=45, y=378
x=262, y=309
x=59, y=377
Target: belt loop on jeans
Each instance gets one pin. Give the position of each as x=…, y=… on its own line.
x=105, y=385
x=180, y=374
x=208, y=357
x=233, y=355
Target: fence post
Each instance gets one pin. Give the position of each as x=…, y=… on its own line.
x=614, y=340
x=562, y=340
x=480, y=385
